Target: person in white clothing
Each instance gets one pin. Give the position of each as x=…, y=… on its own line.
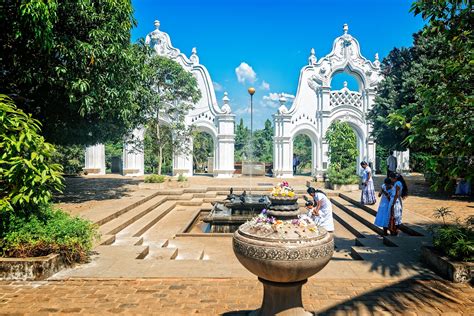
x=391, y=164
x=322, y=210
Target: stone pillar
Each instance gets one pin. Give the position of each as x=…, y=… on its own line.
x=224, y=153
x=95, y=160
x=133, y=154
x=282, y=149
x=183, y=161
x=403, y=161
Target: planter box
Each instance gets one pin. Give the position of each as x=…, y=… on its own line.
x=458, y=272
x=343, y=187
x=30, y=269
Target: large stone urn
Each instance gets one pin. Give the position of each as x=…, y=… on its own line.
x=283, y=258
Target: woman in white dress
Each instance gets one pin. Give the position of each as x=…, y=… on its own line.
x=382, y=219
x=398, y=193
x=368, y=191
x=322, y=210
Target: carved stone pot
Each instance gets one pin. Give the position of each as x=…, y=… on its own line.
x=283, y=265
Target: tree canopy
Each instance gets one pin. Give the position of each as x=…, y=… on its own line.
x=71, y=65
x=342, y=145
x=426, y=99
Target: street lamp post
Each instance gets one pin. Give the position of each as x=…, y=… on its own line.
x=251, y=91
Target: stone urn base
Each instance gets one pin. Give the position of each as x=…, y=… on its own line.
x=281, y=299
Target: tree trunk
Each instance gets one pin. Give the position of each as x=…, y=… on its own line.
x=158, y=140
x=160, y=158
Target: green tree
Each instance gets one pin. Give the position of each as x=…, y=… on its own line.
x=302, y=148
x=71, y=65
x=172, y=93
x=342, y=145
x=152, y=148
x=203, y=148
x=263, y=143
x=242, y=140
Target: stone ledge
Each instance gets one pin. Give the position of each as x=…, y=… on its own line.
x=343, y=187
x=458, y=272
x=31, y=268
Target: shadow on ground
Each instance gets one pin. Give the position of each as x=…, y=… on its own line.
x=83, y=189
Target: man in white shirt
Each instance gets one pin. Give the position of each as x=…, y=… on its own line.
x=391, y=163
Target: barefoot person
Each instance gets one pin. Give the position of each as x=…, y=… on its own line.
x=399, y=192
x=368, y=191
x=382, y=219
x=322, y=209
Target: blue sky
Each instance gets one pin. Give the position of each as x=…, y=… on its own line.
x=274, y=38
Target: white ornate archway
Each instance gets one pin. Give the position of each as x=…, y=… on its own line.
x=316, y=105
x=206, y=116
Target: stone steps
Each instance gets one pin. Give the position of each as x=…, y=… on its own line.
x=122, y=251
x=140, y=226
x=357, y=213
x=124, y=220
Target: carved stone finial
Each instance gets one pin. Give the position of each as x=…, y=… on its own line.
x=345, y=84
x=377, y=61
x=157, y=24
x=226, y=107
x=194, y=57
x=345, y=28
x=312, y=57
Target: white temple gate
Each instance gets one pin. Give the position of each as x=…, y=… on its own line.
x=316, y=106
x=206, y=116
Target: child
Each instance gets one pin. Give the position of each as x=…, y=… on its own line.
x=382, y=218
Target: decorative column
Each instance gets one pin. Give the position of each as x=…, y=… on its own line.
x=133, y=154
x=95, y=160
x=282, y=144
x=224, y=153
x=183, y=160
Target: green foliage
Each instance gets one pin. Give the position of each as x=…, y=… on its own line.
x=112, y=149
x=52, y=231
x=171, y=93
x=203, y=148
x=28, y=175
x=70, y=157
x=182, y=178
x=242, y=141
x=155, y=178
x=455, y=240
x=338, y=175
x=342, y=145
x=442, y=212
x=71, y=64
x=302, y=148
x=425, y=100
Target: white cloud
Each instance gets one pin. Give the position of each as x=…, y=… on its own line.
x=217, y=86
x=245, y=73
x=272, y=99
x=265, y=85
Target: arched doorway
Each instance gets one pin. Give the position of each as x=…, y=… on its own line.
x=158, y=150
x=302, y=155
x=343, y=145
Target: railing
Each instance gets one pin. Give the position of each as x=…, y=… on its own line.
x=345, y=97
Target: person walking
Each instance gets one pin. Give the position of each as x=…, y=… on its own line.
x=322, y=210
x=368, y=191
x=382, y=219
x=391, y=163
x=296, y=162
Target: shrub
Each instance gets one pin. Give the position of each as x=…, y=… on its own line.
x=71, y=158
x=52, y=231
x=342, y=143
x=155, y=178
x=182, y=178
x=338, y=175
x=454, y=240
x=28, y=176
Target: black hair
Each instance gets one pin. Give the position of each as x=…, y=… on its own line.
x=404, y=193
x=309, y=203
x=393, y=175
x=311, y=190
x=387, y=181
x=363, y=162
x=391, y=152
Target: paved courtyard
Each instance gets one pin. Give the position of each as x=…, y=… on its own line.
x=150, y=259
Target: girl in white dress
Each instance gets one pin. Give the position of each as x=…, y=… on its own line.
x=322, y=209
x=399, y=192
x=382, y=219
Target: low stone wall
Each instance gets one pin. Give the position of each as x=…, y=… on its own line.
x=458, y=272
x=343, y=187
x=30, y=269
